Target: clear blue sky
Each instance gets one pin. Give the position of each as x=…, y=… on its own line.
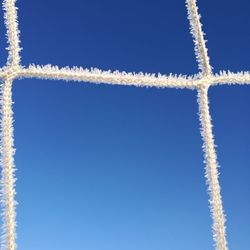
x=105, y=167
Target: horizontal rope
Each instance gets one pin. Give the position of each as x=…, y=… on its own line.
x=123, y=78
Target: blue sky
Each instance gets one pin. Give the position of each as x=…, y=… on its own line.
x=105, y=167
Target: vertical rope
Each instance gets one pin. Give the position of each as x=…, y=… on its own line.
x=11, y=23
x=198, y=36
x=7, y=162
x=211, y=173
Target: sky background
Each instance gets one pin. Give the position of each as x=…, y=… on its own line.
x=104, y=167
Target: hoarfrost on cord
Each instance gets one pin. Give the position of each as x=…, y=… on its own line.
x=200, y=82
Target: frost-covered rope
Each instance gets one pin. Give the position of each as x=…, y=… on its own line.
x=11, y=23
x=198, y=37
x=97, y=76
x=8, y=236
x=108, y=77
x=201, y=82
x=211, y=171
x=229, y=78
